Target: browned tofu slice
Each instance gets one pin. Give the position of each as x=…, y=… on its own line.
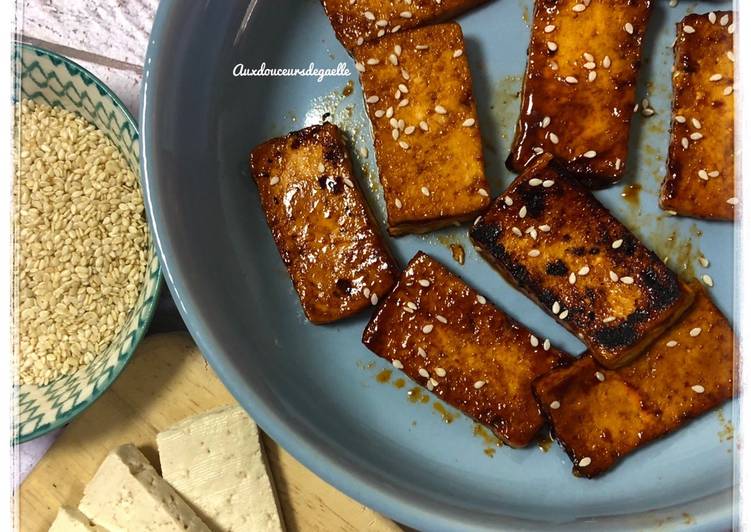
x=418, y=93
x=550, y=237
x=448, y=338
x=365, y=20
x=321, y=223
x=579, y=88
x=701, y=161
x=600, y=415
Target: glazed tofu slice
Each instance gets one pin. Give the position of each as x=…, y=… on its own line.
x=551, y=238
x=365, y=20
x=579, y=88
x=418, y=93
x=321, y=224
x=600, y=415
x=701, y=172
x=450, y=339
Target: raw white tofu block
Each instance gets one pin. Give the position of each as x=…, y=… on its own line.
x=216, y=462
x=128, y=495
x=71, y=520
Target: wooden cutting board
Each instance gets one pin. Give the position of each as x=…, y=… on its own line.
x=168, y=380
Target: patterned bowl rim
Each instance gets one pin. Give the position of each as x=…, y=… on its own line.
x=150, y=302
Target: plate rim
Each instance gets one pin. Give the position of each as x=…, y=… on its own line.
x=413, y=510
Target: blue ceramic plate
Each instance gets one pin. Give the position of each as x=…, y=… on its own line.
x=315, y=389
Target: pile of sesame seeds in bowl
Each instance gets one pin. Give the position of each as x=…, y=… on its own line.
x=81, y=245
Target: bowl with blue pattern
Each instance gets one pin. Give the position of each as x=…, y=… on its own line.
x=46, y=77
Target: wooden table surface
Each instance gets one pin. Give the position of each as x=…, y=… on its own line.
x=109, y=38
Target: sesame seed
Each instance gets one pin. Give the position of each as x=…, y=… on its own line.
x=429, y=386
x=373, y=61
x=423, y=373
x=348, y=182
x=481, y=300
x=671, y=343
x=563, y=315
x=571, y=80
x=533, y=340
x=584, y=462
x=422, y=47
x=373, y=299
x=393, y=59
x=534, y=253
x=707, y=280
x=479, y=384
x=411, y=305
x=684, y=142
x=591, y=154
x=589, y=65
x=732, y=201
x=703, y=175
x=588, y=56
x=409, y=130
x=591, y=76
x=427, y=328
x=534, y=182
x=556, y=307
x=696, y=136
x=606, y=61
x=712, y=17
x=532, y=232
x=555, y=405
x=724, y=20
x=578, y=8
x=629, y=28
x=404, y=102
x=406, y=14
x=441, y=110
x=731, y=56
x=423, y=125
x=618, y=163
x=441, y=318
x=516, y=231
x=696, y=123
x=608, y=319
x=523, y=211
x=698, y=388
x=552, y=46
x=627, y=280
x=545, y=228
x=508, y=201
x=369, y=15
x=440, y=372
x=403, y=145
x=359, y=67
x=397, y=49
x=617, y=243
x=728, y=90
x=599, y=375
x=688, y=29
x=548, y=183
x=397, y=364
x=613, y=276
x=696, y=331
x=546, y=344
x=469, y=122
x=457, y=53
x=584, y=270
x=553, y=138
x=425, y=191
x=703, y=261
x=373, y=99
x=395, y=133
x=550, y=28
x=482, y=192
x=715, y=77
x=405, y=75
x=680, y=119
x=389, y=112
x=731, y=29
x=421, y=352
x=545, y=122
x=274, y=180
x=572, y=278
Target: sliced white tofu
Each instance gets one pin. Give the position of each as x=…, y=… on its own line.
x=216, y=462
x=72, y=520
x=128, y=495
